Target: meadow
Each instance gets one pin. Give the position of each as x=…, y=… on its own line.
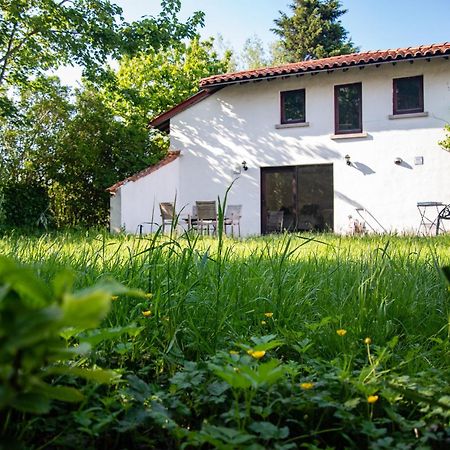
x=288, y=341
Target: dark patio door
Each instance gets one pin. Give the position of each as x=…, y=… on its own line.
x=300, y=196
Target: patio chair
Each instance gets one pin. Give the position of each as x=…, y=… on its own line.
x=206, y=215
x=233, y=218
x=275, y=221
x=444, y=214
x=168, y=216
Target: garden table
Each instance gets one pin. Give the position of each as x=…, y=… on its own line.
x=429, y=212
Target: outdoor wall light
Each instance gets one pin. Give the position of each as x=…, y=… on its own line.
x=347, y=160
x=398, y=161
x=244, y=165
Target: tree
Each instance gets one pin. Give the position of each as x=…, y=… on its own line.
x=314, y=30
x=57, y=154
x=151, y=82
x=253, y=54
x=37, y=35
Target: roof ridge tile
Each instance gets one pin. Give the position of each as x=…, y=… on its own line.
x=332, y=62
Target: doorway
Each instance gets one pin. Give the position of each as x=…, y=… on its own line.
x=297, y=198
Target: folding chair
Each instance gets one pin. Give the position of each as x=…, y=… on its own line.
x=168, y=216
x=206, y=215
x=233, y=218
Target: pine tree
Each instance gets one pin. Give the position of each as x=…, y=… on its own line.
x=314, y=30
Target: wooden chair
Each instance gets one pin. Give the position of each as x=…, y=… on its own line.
x=168, y=216
x=233, y=218
x=206, y=215
x=275, y=221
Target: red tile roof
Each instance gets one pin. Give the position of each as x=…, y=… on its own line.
x=171, y=156
x=335, y=62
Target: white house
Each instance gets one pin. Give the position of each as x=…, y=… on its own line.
x=354, y=135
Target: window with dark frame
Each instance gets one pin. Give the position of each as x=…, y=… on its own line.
x=293, y=106
x=408, y=95
x=348, y=108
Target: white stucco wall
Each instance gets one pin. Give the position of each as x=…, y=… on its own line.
x=238, y=123
x=140, y=199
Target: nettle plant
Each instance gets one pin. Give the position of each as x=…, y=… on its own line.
x=38, y=354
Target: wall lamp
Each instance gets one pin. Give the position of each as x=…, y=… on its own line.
x=398, y=161
x=347, y=160
x=244, y=165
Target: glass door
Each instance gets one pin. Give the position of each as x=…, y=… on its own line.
x=297, y=198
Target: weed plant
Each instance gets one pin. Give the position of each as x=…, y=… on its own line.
x=281, y=341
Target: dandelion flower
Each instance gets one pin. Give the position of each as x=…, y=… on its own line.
x=257, y=354
x=367, y=341
x=372, y=399
x=268, y=314
x=306, y=386
x=146, y=313
x=341, y=332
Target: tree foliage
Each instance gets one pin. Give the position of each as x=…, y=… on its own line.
x=313, y=30
x=151, y=82
x=253, y=54
x=445, y=144
x=63, y=149
x=38, y=35
x=60, y=149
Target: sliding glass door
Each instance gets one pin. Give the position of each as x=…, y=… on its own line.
x=297, y=198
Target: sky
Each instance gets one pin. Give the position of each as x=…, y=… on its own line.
x=372, y=24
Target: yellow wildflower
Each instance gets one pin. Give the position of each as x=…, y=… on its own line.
x=257, y=354
x=146, y=313
x=263, y=322
x=341, y=332
x=306, y=386
x=268, y=314
x=367, y=341
x=114, y=297
x=234, y=352
x=149, y=295
x=372, y=398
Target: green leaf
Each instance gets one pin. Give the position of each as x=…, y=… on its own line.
x=32, y=403
x=102, y=376
x=97, y=336
x=86, y=310
x=62, y=393
x=269, y=431
x=22, y=280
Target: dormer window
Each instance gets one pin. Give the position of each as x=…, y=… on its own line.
x=293, y=106
x=408, y=95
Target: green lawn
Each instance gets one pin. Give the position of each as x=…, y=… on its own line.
x=272, y=342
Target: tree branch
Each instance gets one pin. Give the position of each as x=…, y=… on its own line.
x=8, y=53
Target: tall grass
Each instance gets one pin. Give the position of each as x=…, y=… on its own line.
x=209, y=293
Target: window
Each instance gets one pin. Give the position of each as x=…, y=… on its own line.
x=293, y=106
x=408, y=95
x=348, y=108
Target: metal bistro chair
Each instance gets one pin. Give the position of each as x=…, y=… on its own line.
x=233, y=218
x=168, y=216
x=275, y=221
x=444, y=214
x=206, y=215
